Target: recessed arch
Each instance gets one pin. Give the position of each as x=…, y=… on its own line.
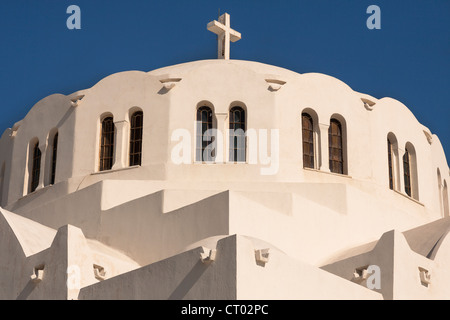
x=205, y=103
x=106, y=115
x=239, y=104
x=133, y=110
x=313, y=114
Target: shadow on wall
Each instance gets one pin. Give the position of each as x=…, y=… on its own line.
x=189, y=281
x=27, y=291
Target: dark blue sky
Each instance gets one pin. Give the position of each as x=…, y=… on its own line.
x=408, y=59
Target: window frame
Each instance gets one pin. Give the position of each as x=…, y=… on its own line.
x=136, y=138
x=201, y=144
x=308, y=141
x=237, y=148
x=108, y=158
x=35, y=168
x=407, y=179
x=340, y=148
x=54, y=158
x=391, y=159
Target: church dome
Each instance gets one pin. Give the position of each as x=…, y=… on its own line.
x=151, y=164
x=227, y=124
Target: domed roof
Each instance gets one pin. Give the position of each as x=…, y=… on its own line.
x=270, y=72
x=254, y=66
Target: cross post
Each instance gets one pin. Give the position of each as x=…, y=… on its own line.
x=224, y=35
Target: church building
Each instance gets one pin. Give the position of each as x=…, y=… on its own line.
x=260, y=183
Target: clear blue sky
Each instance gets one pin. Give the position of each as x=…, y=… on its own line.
x=408, y=59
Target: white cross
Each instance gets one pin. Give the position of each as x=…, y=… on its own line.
x=224, y=35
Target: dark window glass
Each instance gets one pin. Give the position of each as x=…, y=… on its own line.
x=308, y=141
x=237, y=147
x=407, y=172
x=107, y=144
x=137, y=121
x=335, y=147
x=205, y=139
x=54, y=155
x=390, y=163
x=36, y=168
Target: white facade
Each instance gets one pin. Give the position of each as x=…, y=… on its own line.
x=158, y=219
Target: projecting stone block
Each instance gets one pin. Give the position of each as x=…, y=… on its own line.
x=262, y=255
x=38, y=274
x=425, y=277
x=208, y=255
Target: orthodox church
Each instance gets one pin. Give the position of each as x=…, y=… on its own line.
x=262, y=183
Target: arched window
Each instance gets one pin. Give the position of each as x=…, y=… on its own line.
x=54, y=156
x=204, y=149
x=440, y=192
x=137, y=122
x=391, y=164
x=407, y=172
x=410, y=171
x=335, y=145
x=308, y=140
x=36, y=168
x=445, y=198
x=2, y=182
x=107, y=144
x=237, y=149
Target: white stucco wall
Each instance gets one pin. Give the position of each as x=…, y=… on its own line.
x=234, y=274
